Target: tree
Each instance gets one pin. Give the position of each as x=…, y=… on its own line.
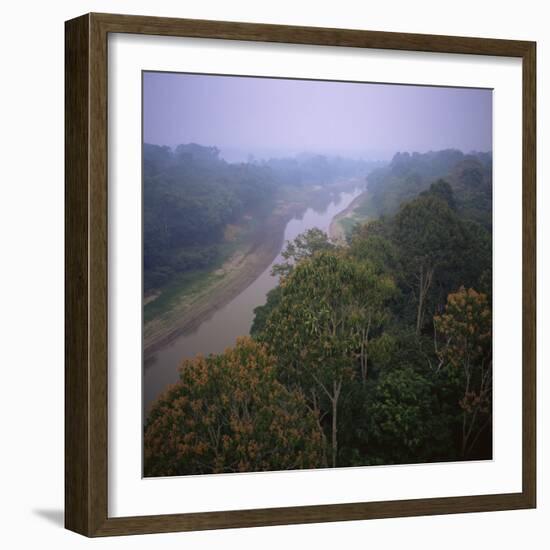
x=466, y=327
x=261, y=313
x=429, y=235
x=303, y=246
x=228, y=413
x=442, y=190
x=190, y=195
x=372, y=243
x=320, y=329
x=402, y=420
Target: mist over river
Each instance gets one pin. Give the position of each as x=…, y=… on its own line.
x=234, y=319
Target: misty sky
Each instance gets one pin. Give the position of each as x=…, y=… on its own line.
x=274, y=117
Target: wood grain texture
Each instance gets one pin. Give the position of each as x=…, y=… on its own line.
x=98, y=254
x=165, y=26
x=529, y=273
x=310, y=514
x=86, y=231
x=77, y=459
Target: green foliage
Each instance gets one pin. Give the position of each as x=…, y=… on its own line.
x=303, y=246
x=373, y=352
x=472, y=182
x=438, y=249
x=330, y=304
x=326, y=302
x=403, y=425
x=383, y=349
x=311, y=169
x=469, y=176
x=189, y=197
x=370, y=244
x=427, y=233
x=261, y=313
x=442, y=190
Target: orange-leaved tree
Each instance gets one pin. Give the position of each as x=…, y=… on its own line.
x=466, y=327
x=228, y=413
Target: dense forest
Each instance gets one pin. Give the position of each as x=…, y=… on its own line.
x=407, y=175
x=373, y=351
x=192, y=196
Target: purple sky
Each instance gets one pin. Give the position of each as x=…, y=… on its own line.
x=273, y=117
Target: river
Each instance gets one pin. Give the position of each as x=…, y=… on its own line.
x=235, y=318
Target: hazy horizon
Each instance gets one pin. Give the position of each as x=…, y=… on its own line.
x=272, y=117
x=231, y=155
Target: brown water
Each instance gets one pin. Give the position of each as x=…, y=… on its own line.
x=235, y=318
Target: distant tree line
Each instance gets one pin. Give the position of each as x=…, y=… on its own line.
x=190, y=195
x=407, y=175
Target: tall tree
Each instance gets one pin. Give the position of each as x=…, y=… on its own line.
x=466, y=352
x=320, y=329
x=228, y=413
x=429, y=235
x=303, y=246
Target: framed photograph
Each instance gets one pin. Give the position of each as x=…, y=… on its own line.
x=300, y=274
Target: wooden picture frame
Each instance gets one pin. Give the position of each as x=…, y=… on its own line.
x=86, y=357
